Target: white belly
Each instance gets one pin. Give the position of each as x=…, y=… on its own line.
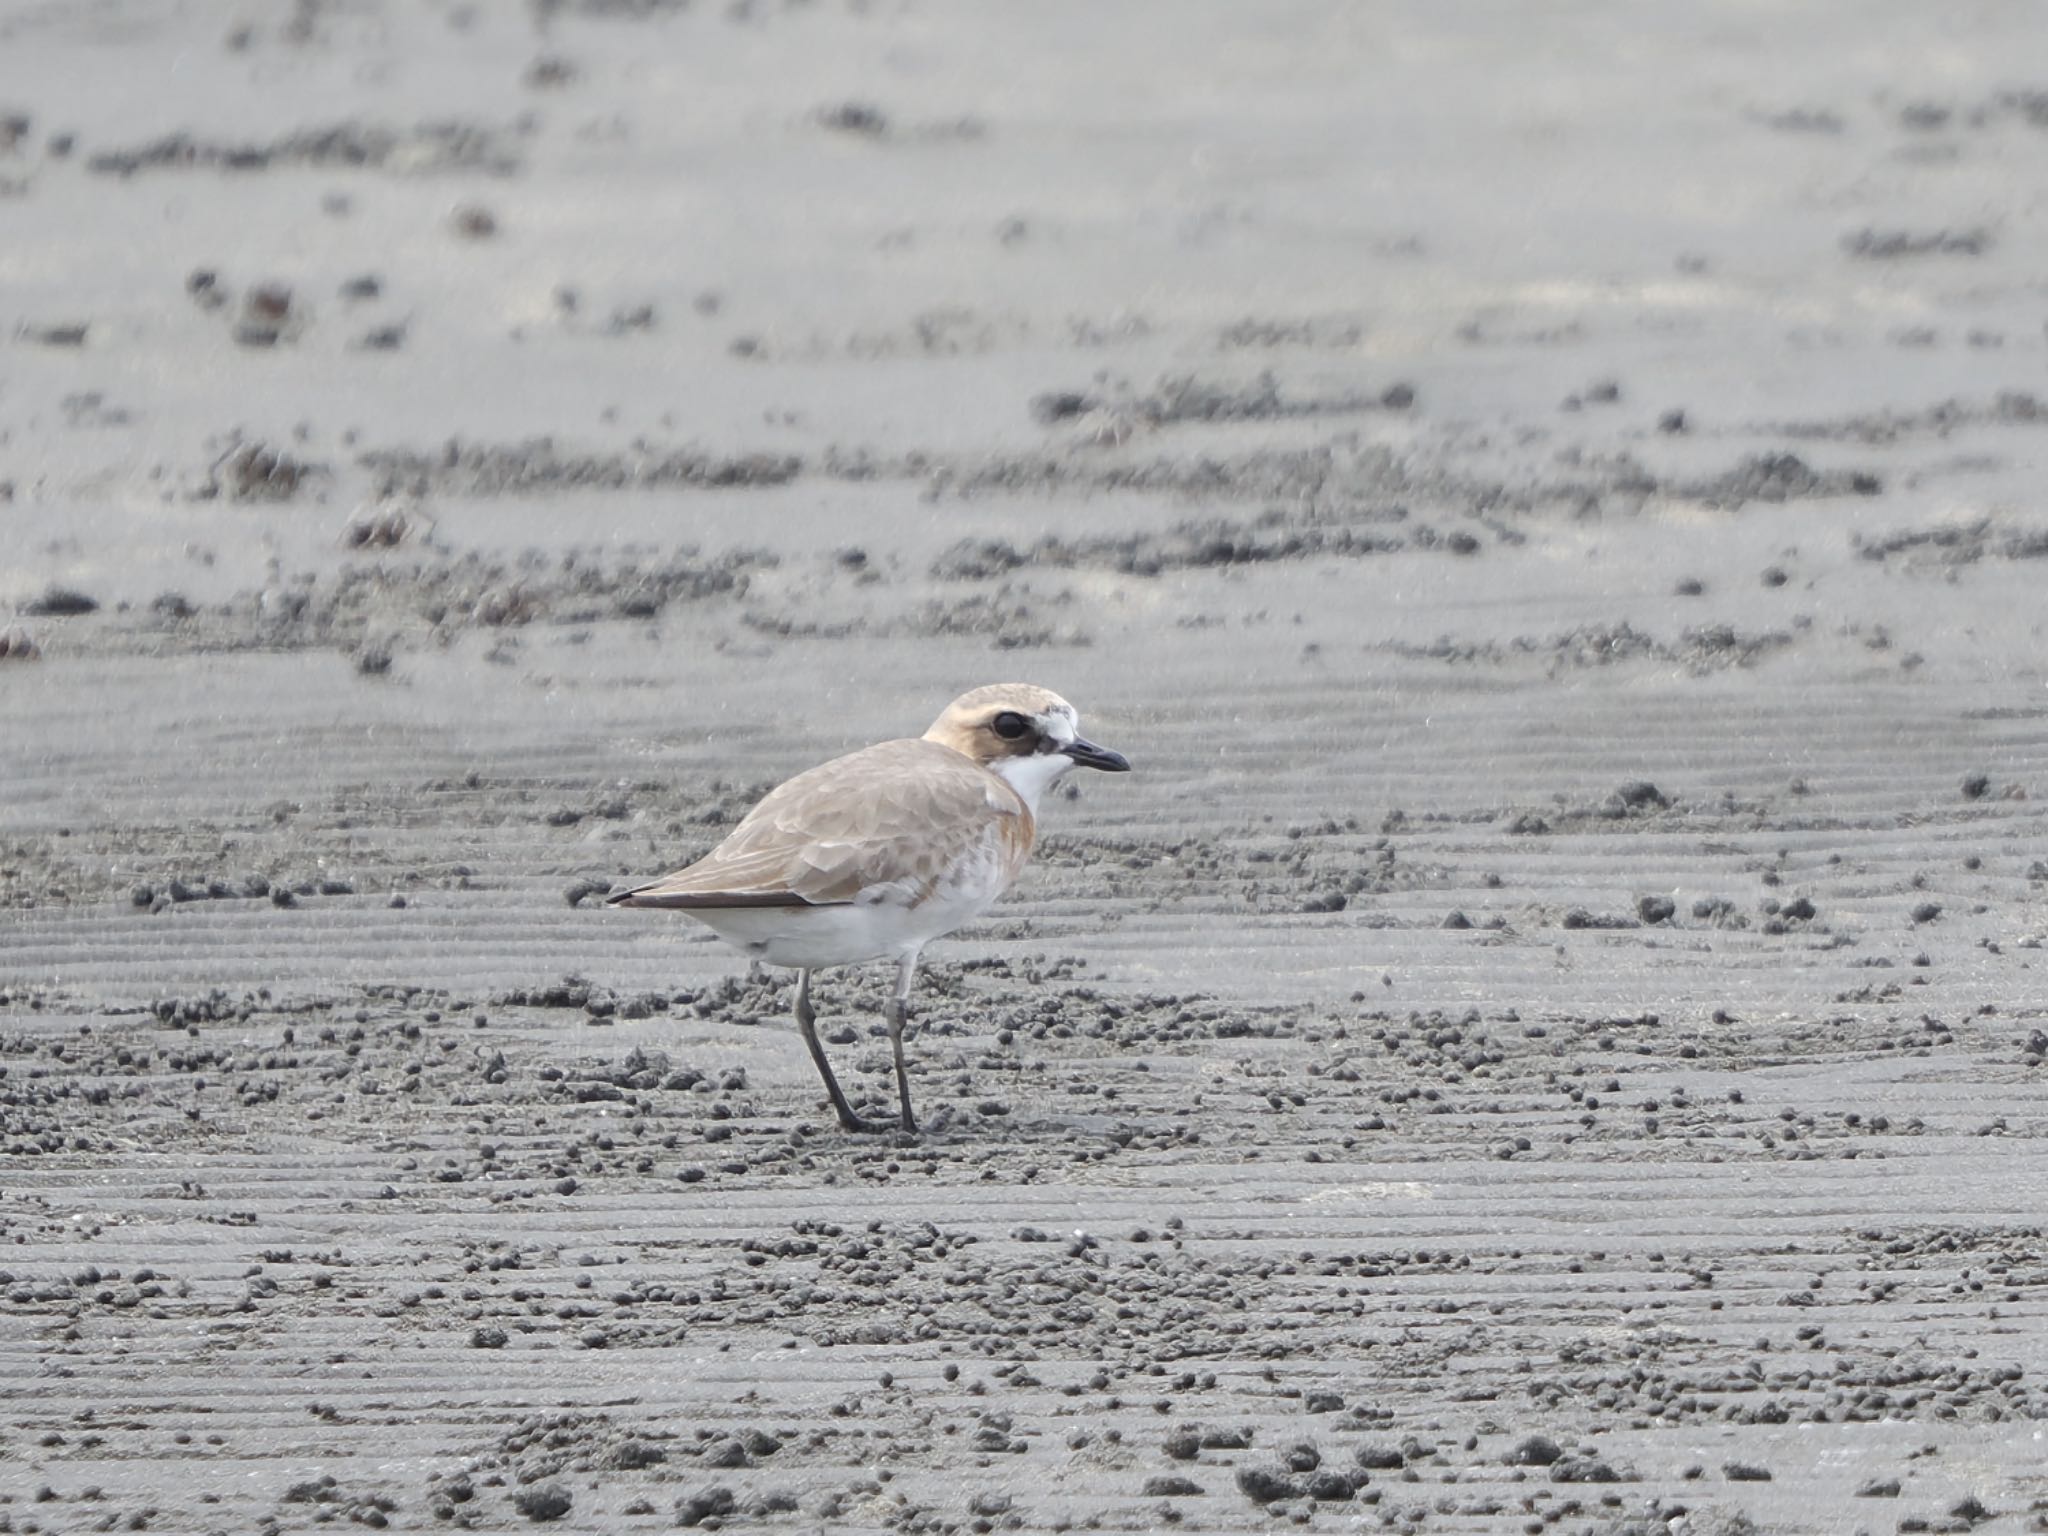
x=882, y=924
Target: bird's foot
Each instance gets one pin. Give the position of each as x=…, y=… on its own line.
x=860, y=1125
x=905, y=1130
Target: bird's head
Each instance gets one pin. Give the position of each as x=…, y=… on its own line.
x=1029, y=735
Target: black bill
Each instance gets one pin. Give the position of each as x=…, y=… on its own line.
x=1089, y=755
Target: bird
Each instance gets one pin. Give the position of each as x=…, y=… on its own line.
x=873, y=855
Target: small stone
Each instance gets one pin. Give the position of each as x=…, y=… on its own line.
x=1334, y=1487
x=725, y=1455
x=548, y=1501
x=60, y=602
x=702, y=1504
x=473, y=221
x=1640, y=795
x=1583, y=1469
x=1533, y=1451
x=855, y=117
x=1264, y=1485
x=1656, y=909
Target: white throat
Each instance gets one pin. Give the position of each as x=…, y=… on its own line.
x=1032, y=776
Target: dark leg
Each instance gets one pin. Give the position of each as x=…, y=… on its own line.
x=807, y=1023
x=899, y=1012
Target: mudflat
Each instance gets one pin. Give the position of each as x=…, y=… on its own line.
x=1550, y=1035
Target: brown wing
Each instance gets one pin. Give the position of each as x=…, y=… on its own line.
x=896, y=814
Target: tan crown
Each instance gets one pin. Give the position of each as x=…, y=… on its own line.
x=968, y=724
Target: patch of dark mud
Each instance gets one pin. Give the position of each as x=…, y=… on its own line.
x=1832, y=1379
x=1700, y=649
x=1293, y=475
x=384, y=525
x=639, y=1071
x=1279, y=474
x=1955, y=544
x=471, y=591
x=2026, y=107
x=1633, y=800
x=57, y=602
x=92, y=410
x=2029, y=106
x=859, y=118
x=1009, y=619
x=330, y=1500
x=1181, y=399
x=1212, y=542
x=171, y=863
x=1621, y=483
x=998, y=1040
x=947, y=331
x=424, y=149
x=766, y=995
x=531, y=1466
x=1310, y=867
x=1350, y=494
x=57, y=333
x=1874, y=244
x=269, y=312
x=1374, y=485
x=2008, y=408
x=1777, y=477
x=1315, y=332
x=1030, y=1296
x=256, y=471
x=1818, y=120
x=539, y=468
x=1029, y=996
x=161, y=866
x=175, y=890
x=943, y=331
x=1188, y=398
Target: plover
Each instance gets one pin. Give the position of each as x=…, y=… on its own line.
x=873, y=855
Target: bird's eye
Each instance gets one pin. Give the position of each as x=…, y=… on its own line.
x=1009, y=725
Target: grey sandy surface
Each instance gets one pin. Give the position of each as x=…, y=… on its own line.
x=1549, y=498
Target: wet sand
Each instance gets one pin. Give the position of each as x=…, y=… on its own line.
x=1551, y=1035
